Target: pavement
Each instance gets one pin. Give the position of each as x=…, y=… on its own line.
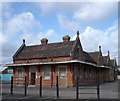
x=107, y=91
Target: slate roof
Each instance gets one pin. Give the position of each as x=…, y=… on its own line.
x=94, y=55
x=46, y=50
x=112, y=62
x=60, y=49
x=88, y=58
x=51, y=50
x=105, y=60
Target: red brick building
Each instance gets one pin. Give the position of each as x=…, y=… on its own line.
x=66, y=59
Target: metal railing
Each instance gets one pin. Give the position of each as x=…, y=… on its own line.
x=95, y=87
x=57, y=90
x=26, y=86
x=15, y=80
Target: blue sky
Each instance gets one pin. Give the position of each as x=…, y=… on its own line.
x=97, y=23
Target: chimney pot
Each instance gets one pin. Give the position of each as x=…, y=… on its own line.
x=44, y=41
x=66, y=38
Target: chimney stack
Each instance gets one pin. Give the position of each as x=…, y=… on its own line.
x=66, y=38
x=44, y=41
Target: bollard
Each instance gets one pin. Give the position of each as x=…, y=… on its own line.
x=77, y=88
x=25, y=86
x=40, y=90
x=12, y=85
x=98, y=89
x=57, y=87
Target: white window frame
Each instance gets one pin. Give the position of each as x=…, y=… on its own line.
x=62, y=73
x=47, y=71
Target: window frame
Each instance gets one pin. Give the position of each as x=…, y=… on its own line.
x=20, y=73
x=47, y=76
x=61, y=69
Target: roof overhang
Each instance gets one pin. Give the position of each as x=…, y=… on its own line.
x=55, y=62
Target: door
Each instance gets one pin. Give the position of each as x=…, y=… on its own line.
x=33, y=76
x=62, y=76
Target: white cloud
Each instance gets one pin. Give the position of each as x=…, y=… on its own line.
x=18, y=27
x=47, y=8
x=10, y=46
x=32, y=38
x=81, y=11
x=91, y=38
x=22, y=25
x=24, y=22
x=50, y=33
x=95, y=11
x=58, y=7
x=68, y=25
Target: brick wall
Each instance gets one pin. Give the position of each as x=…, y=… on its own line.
x=72, y=72
x=69, y=75
x=42, y=60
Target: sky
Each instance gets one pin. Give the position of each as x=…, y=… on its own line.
x=97, y=23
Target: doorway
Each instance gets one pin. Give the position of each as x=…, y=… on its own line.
x=62, y=76
x=33, y=76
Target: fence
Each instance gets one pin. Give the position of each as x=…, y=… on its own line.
x=94, y=87
x=21, y=88
x=56, y=90
x=24, y=86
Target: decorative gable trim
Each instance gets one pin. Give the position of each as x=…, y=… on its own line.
x=18, y=51
x=77, y=49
